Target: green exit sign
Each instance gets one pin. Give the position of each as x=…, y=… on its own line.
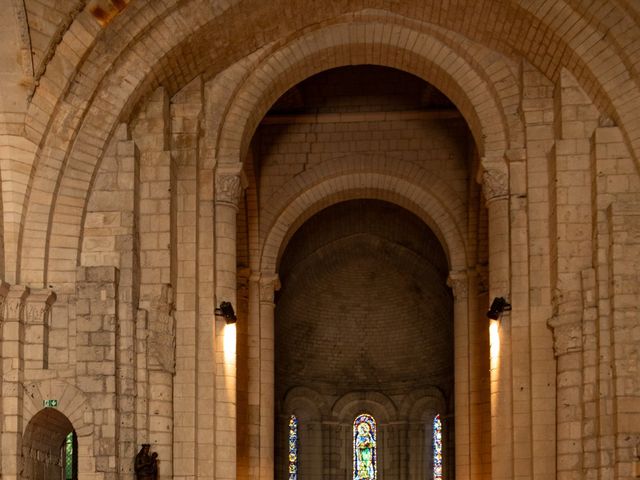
x=50, y=403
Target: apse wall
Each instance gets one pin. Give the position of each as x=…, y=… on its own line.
x=364, y=323
x=364, y=304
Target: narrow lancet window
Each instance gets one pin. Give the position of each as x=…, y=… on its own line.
x=293, y=448
x=364, y=448
x=437, y=448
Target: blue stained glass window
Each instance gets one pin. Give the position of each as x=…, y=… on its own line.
x=293, y=448
x=437, y=448
x=364, y=448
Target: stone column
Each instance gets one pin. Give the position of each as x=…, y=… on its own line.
x=269, y=283
x=228, y=188
x=458, y=282
x=495, y=189
x=12, y=378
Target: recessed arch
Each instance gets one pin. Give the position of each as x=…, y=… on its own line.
x=352, y=44
x=349, y=406
x=305, y=403
x=71, y=402
x=359, y=185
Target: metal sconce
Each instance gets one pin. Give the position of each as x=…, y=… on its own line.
x=498, y=306
x=226, y=310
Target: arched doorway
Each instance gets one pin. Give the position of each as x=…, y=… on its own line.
x=50, y=447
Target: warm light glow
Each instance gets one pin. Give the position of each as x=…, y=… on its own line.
x=494, y=340
x=230, y=342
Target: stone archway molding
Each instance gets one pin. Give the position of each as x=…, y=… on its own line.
x=71, y=402
x=344, y=44
x=413, y=196
x=350, y=405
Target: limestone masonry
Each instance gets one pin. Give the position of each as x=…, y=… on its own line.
x=359, y=179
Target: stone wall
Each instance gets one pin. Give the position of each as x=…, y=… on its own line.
x=149, y=171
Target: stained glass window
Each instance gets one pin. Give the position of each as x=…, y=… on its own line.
x=70, y=450
x=293, y=448
x=364, y=448
x=437, y=448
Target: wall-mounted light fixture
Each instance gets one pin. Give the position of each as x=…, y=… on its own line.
x=498, y=306
x=226, y=310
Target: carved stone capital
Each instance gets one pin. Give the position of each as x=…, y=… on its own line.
x=38, y=304
x=230, y=183
x=459, y=283
x=14, y=303
x=269, y=284
x=494, y=178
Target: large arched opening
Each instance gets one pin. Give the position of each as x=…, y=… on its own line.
x=352, y=167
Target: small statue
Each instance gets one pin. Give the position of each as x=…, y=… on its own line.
x=146, y=466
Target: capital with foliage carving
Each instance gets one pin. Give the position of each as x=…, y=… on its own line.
x=230, y=184
x=495, y=180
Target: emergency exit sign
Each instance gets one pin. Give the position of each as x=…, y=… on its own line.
x=50, y=403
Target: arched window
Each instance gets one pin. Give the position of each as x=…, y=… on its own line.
x=293, y=448
x=364, y=448
x=437, y=448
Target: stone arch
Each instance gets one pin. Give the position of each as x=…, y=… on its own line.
x=73, y=406
x=352, y=185
x=61, y=226
x=428, y=58
x=141, y=22
x=72, y=119
x=421, y=400
x=306, y=403
x=71, y=402
x=46, y=428
x=350, y=405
